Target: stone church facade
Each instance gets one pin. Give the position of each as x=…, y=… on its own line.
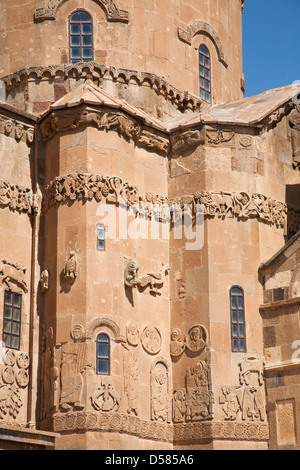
x=149, y=254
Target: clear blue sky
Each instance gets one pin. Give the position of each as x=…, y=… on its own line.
x=271, y=43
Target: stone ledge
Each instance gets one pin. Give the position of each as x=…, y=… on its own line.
x=23, y=437
x=199, y=431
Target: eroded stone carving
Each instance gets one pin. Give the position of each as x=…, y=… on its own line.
x=73, y=363
x=221, y=204
x=12, y=274
x=154, y=280
x=128, y=127
x=132, y=334
x=113, y=13
x=131, y=380
x=195, y=402
x=246, y=402
x=70, y=270
x=14, y=378
x=177, y=344
x=105, y=398
x=187, y=140
x=17, y=130
x=196, y=339
x=17, y=198
x=295, y=125
x=218, y=136
x=44, y=281
x=160, y=391
x=151, y=340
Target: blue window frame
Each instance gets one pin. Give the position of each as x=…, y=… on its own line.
x=205, y=73
x=81, y=37
x=238, y=323
x=103, y=355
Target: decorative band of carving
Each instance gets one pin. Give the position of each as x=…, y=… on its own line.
x=129, y=128
x=113, y=13
x=182, y=99
x=17, y=198
x=219, y=430
x=17, y=130
x=87, y=186
x=155, y=431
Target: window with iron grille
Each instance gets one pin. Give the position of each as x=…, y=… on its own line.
x=238, y=324
x=103, y=354
x=81, y=37
x=205, y=73
x=12, y=320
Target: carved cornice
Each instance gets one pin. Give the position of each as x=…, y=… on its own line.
x=220, y=204
x=199, y=27
x=156, y=431
x=113, y=13
x=130, y=128
x=181, y=99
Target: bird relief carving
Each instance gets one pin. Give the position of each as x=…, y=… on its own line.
x=155, y=280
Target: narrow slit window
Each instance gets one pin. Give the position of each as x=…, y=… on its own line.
x=12, y=320
x=205, y=73
x=81, y=37
x=238, y=324
x=101, y=237
x=103, y=354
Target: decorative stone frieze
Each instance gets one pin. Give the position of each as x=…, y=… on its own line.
x=127, y=127
x=16, y=130
x=158, y=431
x=180, y=99
x=16, y=198
x=113, y=13
x=220, y=204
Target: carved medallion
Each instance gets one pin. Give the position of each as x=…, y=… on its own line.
x=132, y=334
x=151, y=340
x=196, y=339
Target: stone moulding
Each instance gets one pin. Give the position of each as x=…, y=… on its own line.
x=113, y=13
x=181, y=99
x=199, y=27
x=84, y=187
x=157, y=431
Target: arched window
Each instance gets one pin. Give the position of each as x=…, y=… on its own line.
x=81, y=37
x=238, y=325
x=12, y=320
x=103, y=355
x=101, y=237
x=205, y=73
